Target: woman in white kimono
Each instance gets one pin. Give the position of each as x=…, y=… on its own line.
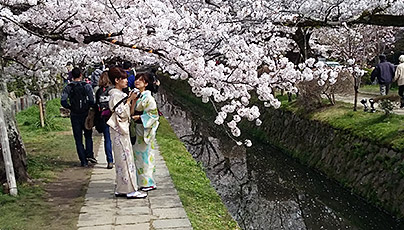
x=146, y=117
x=121, y=105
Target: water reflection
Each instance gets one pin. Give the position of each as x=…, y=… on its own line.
x=265, y=189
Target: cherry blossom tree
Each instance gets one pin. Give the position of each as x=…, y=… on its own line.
x=355, y=46
x=186, y=38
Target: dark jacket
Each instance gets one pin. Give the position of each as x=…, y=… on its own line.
x=66, y=94
x=131, y=79
x=384, y=72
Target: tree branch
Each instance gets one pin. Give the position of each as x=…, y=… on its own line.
x=366, y=18
x=63, y=22
x=43, y=33
x=113, y=7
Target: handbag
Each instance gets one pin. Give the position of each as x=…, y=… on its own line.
x=89, y=123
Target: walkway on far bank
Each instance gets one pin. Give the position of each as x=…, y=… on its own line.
x=367, y=96
x=162, y=209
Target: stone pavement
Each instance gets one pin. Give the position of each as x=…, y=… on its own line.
x=162, y=209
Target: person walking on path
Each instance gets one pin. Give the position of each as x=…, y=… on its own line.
x=121, y=104
x=78, y=97
x=399, y=77
x=102, y=99
x=384, y=72
x=146, y=117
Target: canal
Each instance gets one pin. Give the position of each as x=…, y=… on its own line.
x=264, y=188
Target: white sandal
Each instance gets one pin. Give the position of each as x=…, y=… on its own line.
x=136, y=195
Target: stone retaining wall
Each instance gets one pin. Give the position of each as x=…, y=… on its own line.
x=372, y=171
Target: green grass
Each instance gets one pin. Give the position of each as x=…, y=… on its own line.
x=49, y=151
x=28, y=120
x=377, y=127
x=26, y=211
x=201, y=202
x=375, y=89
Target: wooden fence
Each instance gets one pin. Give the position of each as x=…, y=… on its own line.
x=25, y=102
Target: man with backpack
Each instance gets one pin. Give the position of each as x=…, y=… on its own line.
x=78, y=97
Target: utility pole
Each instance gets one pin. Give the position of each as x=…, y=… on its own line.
x=8, y=161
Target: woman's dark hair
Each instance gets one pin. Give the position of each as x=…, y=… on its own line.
x=149, y=79
x=116, y=73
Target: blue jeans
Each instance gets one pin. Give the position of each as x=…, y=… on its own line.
x=107, y=141
x=78, y=128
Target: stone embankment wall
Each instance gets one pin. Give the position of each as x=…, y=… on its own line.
x=372, y=171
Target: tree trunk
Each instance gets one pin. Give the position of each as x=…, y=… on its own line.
x=18, y=153
x=8, y=161
x=357, y=82
x=302, y=39
x=355, y=99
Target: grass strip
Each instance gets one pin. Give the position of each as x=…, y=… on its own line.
x=50, y=150
x=380, y=128
x=203, y=205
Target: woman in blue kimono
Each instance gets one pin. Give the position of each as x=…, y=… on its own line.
x=146, y=117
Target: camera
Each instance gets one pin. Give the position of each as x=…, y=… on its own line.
x=135, y=91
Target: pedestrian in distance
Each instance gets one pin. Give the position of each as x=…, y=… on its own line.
x=67, y=77
x=384, y=73
x=399, y=77
x=96, y=74
x=102, y=103
x=127, y=66
x=122, y=104
x=146, y=116
x=78, y=97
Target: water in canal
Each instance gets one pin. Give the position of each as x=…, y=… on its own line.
x=263, y=188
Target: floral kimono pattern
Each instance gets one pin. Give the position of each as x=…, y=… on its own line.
x=121, y=145
x=146, y=146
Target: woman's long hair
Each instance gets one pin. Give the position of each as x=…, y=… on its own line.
x=104, y=80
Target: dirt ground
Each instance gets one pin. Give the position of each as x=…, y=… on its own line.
x=66, y=194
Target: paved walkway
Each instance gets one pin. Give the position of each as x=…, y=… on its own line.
x=367, y=96
x=162, y=209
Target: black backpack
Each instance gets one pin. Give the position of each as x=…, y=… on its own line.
x=78, y=98
x=103, y=98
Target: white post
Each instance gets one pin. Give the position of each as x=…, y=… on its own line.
x=8, y=161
